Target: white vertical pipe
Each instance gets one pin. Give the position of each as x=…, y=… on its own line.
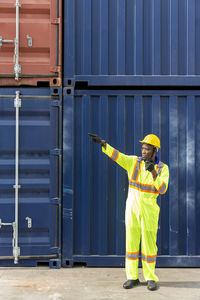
x=17, y=68
x=16, y=249
x=17, y=163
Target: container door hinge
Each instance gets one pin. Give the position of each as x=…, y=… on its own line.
x=55, y=200
x=56, y=152
x=55, y=250
x=55, y=69
x=56, y=103
x=55, y=21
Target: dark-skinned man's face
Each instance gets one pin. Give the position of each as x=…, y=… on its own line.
x=147, y=151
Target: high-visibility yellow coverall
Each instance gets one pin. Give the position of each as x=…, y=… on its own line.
x=142, y=211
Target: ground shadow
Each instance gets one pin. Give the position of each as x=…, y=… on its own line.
x=181, y=284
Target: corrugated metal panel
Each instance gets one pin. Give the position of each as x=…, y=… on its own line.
x=41, y=21
x=136, y=38
x=39, y=175
x=95, y=188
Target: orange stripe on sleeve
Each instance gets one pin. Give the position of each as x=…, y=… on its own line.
x=113, y=153
x=160, y=187
x=117, y=156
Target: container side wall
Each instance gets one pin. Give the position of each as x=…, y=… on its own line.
x=122, y=118
x=142, y=42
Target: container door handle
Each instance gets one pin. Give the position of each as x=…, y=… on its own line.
x=4, y=41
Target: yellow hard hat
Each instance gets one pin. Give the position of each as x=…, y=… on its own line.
x=151, y=139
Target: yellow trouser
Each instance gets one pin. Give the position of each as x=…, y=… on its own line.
x=136, y=229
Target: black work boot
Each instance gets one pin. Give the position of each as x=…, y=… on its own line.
x=152, y=285
x=129, y=284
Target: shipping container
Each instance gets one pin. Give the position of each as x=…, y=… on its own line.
x=30, y=177
x=132, y=42
x=30, y=42
x=95, y=188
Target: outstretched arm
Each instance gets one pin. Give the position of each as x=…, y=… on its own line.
x=125, y=161
x=95, y=138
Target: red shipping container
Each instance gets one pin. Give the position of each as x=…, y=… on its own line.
x=39, y=45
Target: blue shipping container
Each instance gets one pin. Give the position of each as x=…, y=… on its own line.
x=132, y=42
x=40, y=140
x=95, y=188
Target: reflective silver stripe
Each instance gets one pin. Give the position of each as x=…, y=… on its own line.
x=160, y=167
x=163, y=188
x=137, y=168
x=132, y=256
x=148, y=259
x=115, y=155
x=142, y=187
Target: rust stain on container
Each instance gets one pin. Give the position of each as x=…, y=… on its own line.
x=40, y=38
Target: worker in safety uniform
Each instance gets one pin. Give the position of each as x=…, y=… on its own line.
x=148, y=177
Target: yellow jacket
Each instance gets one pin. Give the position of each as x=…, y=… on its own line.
x=143, y=189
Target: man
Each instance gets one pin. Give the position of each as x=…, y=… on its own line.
x=148, y=177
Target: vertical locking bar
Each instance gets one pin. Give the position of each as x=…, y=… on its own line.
x=17, y=66
x=16, y=249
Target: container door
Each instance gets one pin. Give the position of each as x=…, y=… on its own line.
x=39, y=173
x=36, y=25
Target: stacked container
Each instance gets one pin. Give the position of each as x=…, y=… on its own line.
x=31, y=132
x=130, y=68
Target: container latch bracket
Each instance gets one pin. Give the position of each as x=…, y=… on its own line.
x=30, y=40
x=29, y=221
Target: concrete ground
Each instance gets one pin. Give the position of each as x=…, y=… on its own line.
x=42, y=283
